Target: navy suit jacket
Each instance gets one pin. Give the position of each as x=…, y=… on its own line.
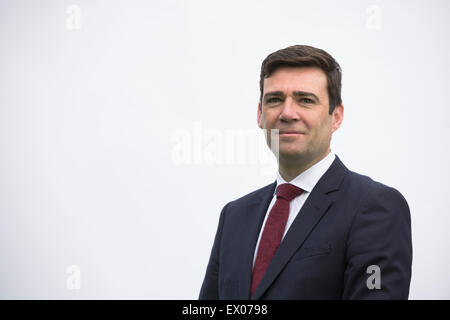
x=347, y=224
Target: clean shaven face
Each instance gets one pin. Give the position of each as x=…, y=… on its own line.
x=295, y=101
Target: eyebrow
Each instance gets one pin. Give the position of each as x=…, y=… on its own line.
x=295, y=93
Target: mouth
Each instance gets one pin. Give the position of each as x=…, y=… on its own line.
x=288, y=133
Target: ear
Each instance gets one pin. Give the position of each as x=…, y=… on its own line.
x=259, y=116
x=338, y=117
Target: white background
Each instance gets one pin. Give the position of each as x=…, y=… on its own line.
x=91, y=99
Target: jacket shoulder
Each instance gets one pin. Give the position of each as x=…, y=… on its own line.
x=254, y=195
x=366, y=186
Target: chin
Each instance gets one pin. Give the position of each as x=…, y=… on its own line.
x=291, y=153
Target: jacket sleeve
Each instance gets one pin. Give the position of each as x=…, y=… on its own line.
x=379, y=248
x=210, y=286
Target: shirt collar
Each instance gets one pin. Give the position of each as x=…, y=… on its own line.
x=308, y=178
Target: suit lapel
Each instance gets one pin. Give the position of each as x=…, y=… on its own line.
x=313, y=209
x=253, y=218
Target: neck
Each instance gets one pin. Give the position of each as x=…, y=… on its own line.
x=291, y=168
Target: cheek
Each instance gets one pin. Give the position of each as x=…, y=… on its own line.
x=320, y=128
x=325, y=131
x=268, y=119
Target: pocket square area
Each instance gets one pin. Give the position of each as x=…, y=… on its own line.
x=310, y=251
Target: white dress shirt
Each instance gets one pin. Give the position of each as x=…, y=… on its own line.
x=305, y=181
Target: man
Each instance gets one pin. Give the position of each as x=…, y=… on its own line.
x=319, y=231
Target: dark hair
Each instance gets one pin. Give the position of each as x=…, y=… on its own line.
x=306, y=56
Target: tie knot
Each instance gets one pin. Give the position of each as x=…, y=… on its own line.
x=288, y=191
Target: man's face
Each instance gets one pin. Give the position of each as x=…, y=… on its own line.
x=295, y=101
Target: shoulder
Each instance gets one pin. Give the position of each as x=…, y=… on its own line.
x=372, y=201
x=369, y=189
x=254, y=196
x=250, y=200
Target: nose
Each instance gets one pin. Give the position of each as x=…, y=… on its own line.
x=288, y=111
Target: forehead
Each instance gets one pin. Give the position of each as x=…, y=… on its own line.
x=288, y=79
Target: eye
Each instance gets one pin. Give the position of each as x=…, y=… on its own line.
x=273, y=100
x=307, y=100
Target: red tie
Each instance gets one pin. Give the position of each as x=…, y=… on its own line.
x=273, y=231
